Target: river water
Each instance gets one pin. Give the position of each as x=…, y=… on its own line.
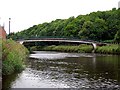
x=46, y=69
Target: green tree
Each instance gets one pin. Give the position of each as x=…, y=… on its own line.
x=117, y=37
x=86, y=30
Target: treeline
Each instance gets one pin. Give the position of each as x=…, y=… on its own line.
x=98, y=26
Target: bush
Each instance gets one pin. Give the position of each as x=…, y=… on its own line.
x=13, y=56
x=34, y=48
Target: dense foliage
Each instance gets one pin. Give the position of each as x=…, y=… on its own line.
x=98, y=26
x=13, y=56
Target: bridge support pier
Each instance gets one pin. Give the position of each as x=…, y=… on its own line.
x=94, y=46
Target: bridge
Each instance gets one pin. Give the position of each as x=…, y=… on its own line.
x=63, y=40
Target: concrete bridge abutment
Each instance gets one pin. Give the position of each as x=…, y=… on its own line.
x=94, y=47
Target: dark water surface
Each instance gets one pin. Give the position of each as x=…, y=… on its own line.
x=67, y=70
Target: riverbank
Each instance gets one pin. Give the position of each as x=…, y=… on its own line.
x=13, y=57
x=109, y=49
x=83, y=48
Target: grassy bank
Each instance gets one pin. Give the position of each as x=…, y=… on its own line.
x=79, y=49
x=13, y=56
x=109, y=49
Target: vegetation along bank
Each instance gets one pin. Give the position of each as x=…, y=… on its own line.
x=83, y=48
x=62, y=48
x=13, y=56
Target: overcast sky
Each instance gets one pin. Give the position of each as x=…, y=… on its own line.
x=26, y=13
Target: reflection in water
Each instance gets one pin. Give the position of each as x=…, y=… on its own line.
x=69, y=70
x=7, y=81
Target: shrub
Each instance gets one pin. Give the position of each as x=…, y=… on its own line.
x=13, y=56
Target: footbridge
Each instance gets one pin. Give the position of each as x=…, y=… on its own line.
x=94, y=44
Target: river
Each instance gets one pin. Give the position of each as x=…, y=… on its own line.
x=47, y=69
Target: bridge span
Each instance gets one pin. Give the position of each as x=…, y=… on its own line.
x=60, y=40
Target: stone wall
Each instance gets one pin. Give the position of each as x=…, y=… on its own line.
x=2, y=32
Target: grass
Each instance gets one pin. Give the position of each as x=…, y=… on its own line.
x=109, y=49
x=83, y=48
x=13, y=56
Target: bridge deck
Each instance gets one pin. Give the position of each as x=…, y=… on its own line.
x=57, y=40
